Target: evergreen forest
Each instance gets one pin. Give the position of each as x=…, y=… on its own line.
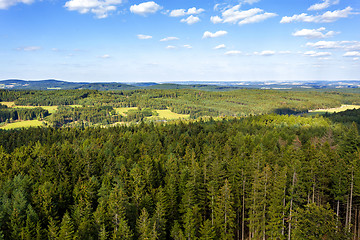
x=249, y=164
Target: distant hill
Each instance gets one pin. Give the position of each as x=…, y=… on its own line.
x=52, y=84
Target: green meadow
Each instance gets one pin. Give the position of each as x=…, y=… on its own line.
x=23, y=124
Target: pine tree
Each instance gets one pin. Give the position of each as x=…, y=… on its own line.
x=53, y=229
x=66, y=228
x=207, y=231
x=224, y=213
x=159, y=217
x=276, y=212
x=145, y=229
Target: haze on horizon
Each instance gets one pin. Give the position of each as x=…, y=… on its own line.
x=179, y=40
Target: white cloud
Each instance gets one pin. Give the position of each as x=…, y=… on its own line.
x=233, y=53
x=265, y=53
x=145, y=8
x=169, y=39
x=193, y=11
x=29, y=48
x=323, y=5
x=143, y=37
x=221, y=46
x=208, y=34
x=187, y=46
x=251, y=1
x=190, y=20
x=170, y=47
x=216, y=19
x=105, y=56
x=257, y=18
x=317, y=54
x=100, y=8
x=327, y=17
x=6, y=4
x=235, y=15
x=352, y=54
x=183, y=12
x=345, y=45
x=314, y=33
x=177, y=13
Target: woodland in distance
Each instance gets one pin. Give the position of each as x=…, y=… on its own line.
x=245, y=164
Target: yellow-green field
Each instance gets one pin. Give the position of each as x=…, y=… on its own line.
x=23, y=124
x=74, y=106
x=122, y=111
x=51, y=109
x=333, y=110
x=168, y=115
x=8, y=104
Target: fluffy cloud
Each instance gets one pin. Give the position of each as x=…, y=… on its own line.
x=6, y=4
x=100, y=8
x=314, y=33
x=105, y=56
x=233, y=53
x=169, y=39
x=352, y=54
x=187, y=46
x=344, y=45
x=208, y=34
x=257, y=18
x=145, y=8
x=265, y=53
x=190, y=20
x=183, y=12
x=143, y=37
x=327, y=17
x=29, y=48
x=216, y=19
x=317, y=54
x=251, y=1
x=170, y=47
x=221, y=46
x=323, y=5
x=235, y=15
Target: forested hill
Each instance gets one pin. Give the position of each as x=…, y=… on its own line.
x=199, y=85
x=260, y=177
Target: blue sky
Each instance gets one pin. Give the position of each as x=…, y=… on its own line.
x=180, y=40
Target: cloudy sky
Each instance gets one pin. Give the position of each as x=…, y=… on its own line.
x=180, y=40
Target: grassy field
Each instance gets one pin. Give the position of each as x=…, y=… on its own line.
x=8, y=104
x=23, y=124
x=168, y=115
x=122, y=111
x=333, y=110
x=51, y=109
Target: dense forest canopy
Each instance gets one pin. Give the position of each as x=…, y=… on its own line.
x=263, y=176
x=99, y=107
x=257, y=177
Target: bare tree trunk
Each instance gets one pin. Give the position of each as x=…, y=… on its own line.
x=291, y=204
x=355, y=223
x=283, y=213
x=358, y=232
x=243, y=213
x=337, y=215
x=347, y=212
x=264, y=216
x=351, y=196
x=313, y=192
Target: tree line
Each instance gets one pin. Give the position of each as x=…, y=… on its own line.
x=259, y=177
